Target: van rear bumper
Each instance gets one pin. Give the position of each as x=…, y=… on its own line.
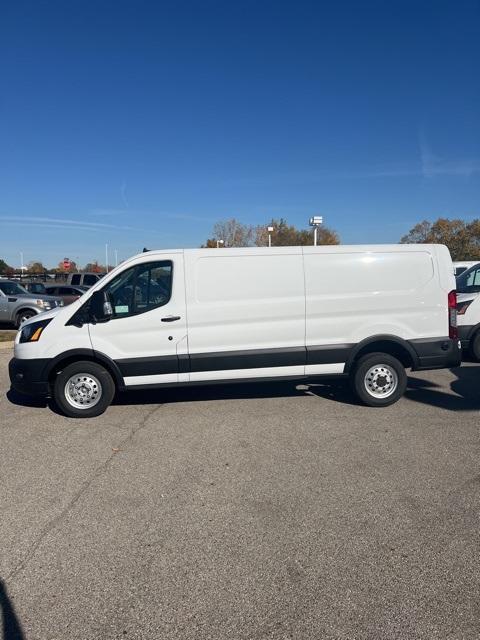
x=29, y=376
x=436, y=353
x=465, y=332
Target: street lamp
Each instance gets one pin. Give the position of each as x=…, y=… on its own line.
x=315, y=222
x=270, y=231
x=219, y=242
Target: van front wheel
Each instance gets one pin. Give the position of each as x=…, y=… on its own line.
x=379, y=379
x=83, y=390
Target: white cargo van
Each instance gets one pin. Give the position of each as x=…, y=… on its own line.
x=468, y=306
x=204, y=315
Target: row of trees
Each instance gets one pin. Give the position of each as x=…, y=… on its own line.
x=235, y=234
x=461, y=237
x=37, y=267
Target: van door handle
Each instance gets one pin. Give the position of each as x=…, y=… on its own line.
x=170, y=318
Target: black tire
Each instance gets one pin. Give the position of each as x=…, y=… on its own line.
x=95, y=385
x=22, y=316
x=386, y=373
x=475, y=346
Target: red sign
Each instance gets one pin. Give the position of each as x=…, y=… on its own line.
x=66, y=264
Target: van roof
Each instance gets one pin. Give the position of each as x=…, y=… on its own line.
x=337, y=248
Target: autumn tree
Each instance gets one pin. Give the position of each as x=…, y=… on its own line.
x=236, y=234
x=71, y=269
x=285, y=235
x=461, y=237
x=233, y=233
x=35, y=267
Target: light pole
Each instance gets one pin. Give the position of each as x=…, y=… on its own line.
x=219, y=242
x=106, y=257
x=315, y=222
x=116, y=258
x=270, y=231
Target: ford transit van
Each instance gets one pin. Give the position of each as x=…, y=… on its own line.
x=194, y=316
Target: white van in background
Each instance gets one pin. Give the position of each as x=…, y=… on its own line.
x=202, y=316
x=468, y=308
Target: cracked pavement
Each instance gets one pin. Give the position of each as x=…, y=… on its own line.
x=244, y=511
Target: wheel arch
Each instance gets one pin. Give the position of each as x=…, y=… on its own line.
x=393, y=345
x=74, y=355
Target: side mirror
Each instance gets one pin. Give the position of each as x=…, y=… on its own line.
x=100, y=307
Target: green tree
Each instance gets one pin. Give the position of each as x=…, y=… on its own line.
x=5, y=268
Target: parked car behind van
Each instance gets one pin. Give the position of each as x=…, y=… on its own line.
x=34, y=286
x=468, y=309
x=17, y=305
x=83, y=279
x=67, y=293
x=460, y=267
x=179, y=317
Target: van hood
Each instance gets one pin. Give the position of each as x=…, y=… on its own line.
x=45, y=315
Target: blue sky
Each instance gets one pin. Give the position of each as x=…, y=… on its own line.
x=142, y=123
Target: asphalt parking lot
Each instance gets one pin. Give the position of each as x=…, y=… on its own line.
x=259, y=511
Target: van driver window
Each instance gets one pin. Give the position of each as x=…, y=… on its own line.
x=140, y=289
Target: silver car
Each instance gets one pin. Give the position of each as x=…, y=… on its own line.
x=17, y=304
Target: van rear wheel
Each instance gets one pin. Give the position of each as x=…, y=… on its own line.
x=379, y=379
x=83, y=389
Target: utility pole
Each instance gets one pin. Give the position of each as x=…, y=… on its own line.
x=270, y=231
x=315, y=222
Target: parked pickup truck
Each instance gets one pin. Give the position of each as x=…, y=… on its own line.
x=17, y=304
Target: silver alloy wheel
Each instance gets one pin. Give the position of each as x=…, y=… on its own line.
x=83, y=390
x=381, y=381
x=24, y=317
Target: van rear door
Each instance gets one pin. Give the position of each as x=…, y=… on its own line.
x=146, y=337
x=246, y=313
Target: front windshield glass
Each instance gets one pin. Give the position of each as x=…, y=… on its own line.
x=12, y=289
x=469, y=280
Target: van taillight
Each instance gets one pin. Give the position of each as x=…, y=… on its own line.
x=452, y=315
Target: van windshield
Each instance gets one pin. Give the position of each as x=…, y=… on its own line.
x=12, y=289
x=469, y=280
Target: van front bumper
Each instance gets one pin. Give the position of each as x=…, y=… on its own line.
x=29, y=376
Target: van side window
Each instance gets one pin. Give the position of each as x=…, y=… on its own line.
x=76, y=278
x=141, y=288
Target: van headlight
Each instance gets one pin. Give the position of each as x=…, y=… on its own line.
x=32, y=332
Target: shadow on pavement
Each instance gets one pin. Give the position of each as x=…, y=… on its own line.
x=463, y=394
x=11, y=627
